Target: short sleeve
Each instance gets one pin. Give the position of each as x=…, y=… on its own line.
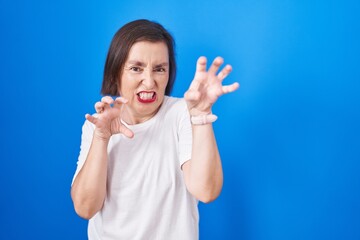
x=86, y=139
x=185, y=135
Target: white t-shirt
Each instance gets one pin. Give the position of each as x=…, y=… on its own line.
x=146, y=193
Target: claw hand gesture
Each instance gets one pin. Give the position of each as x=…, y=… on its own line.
x=207, y=87
x=108, y=118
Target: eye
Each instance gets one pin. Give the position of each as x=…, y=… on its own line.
x=160, y=69
x=135, y=69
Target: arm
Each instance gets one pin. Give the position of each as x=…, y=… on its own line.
x=203, y=173
x=89, y=187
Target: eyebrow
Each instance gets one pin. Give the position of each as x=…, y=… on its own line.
x=137, y=63
x=141, y=64
x=165, y=64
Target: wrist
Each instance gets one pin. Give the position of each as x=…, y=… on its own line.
x=197, y=112
x=101, y=137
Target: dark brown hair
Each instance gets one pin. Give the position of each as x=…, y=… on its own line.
x=125, y=37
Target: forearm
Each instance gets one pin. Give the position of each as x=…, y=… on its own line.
x=89, y=188
x=205, y=175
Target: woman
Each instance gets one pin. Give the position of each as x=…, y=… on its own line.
x=147, y=158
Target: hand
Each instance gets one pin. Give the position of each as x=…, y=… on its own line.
x=207, y=86
x=108, y=120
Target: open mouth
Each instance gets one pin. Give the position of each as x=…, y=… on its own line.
x=146, y=97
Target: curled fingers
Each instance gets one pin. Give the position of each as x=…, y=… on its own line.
x=107, y=100
x=119, y=101
x=99, y=107
x=104, y=104
x=218, y=61
x=230, y=88
x=201, y=64
x=224, y=72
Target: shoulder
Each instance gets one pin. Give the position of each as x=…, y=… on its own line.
x=174, y=110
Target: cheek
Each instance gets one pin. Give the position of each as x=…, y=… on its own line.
x=164, y=81
x=128, y=91
x=128, y=85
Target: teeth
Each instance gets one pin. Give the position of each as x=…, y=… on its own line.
x=146, y=96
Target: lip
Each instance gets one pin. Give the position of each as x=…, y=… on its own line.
x=150, y=100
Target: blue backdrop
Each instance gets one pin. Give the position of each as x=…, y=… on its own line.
x=289, y=137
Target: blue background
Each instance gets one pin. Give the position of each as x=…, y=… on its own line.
x=289, y=137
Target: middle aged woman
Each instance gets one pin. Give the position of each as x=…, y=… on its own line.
x=147, y=158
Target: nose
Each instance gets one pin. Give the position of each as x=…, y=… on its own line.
x=148, y=79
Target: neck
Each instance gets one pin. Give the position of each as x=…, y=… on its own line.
x=131, y=118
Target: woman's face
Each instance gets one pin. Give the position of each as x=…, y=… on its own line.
x=144, y=79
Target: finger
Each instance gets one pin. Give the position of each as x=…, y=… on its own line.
x=230, y=88
x=99, y=107
x=119, y=101
x=200, y=71
x=107, y=100
x=195, y=84
x=218, y=61
x=91, y=118
x=201, y=64
x=224, y=72
x=127, y=132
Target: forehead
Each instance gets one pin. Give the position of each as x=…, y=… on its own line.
x=145, y=51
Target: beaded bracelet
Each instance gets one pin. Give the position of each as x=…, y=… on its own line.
x=203, y=119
